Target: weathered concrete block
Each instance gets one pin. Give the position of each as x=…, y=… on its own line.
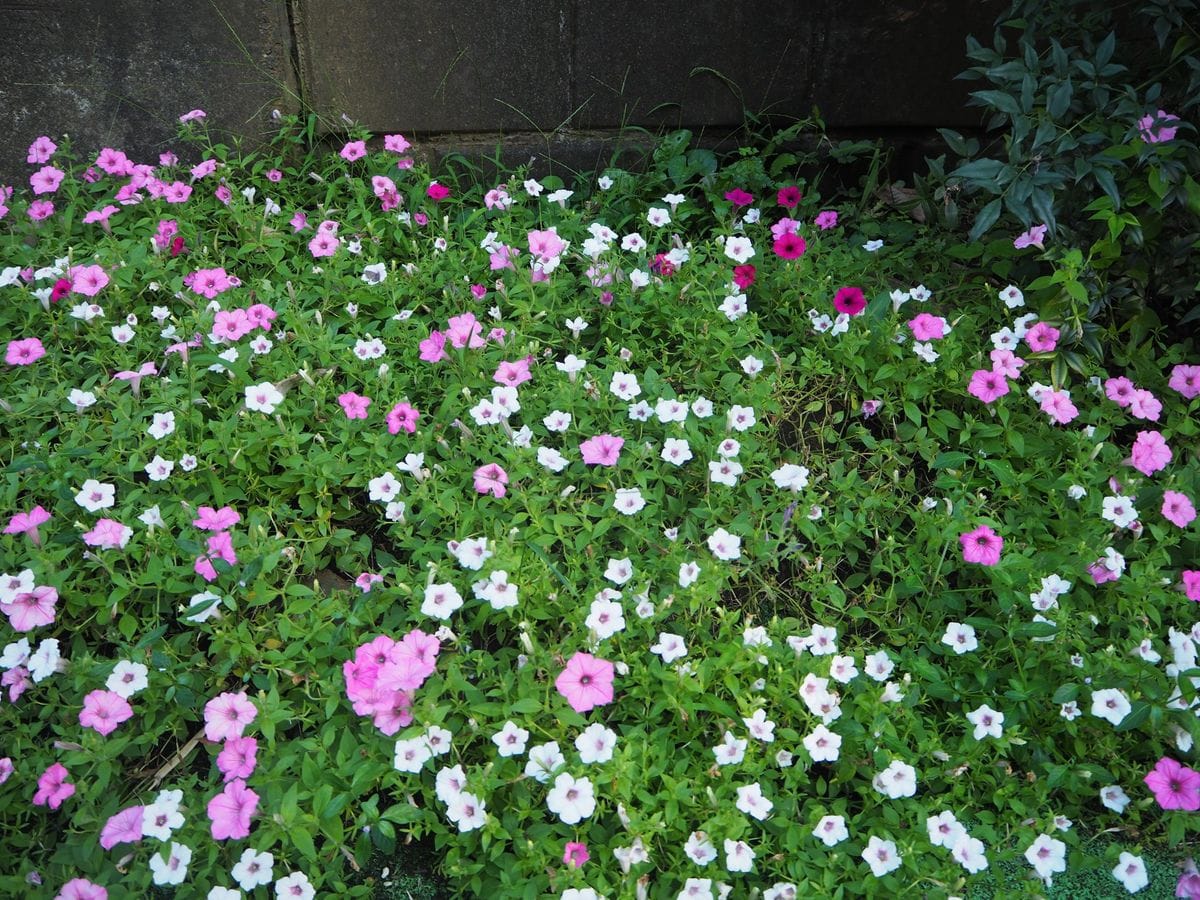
x=120, y=72
x=437, y=67
x=869, y=63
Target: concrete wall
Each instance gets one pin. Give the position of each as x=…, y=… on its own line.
x=560, y=73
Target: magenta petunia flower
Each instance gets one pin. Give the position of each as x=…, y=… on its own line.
x=788, y=197
x=849, y=300
x=575, y=854
x=124, y=827
x=602, y=450
x=227, y=715
x=738, y=197
x=1150, y=452
x=1175, y=786
x=53, y=787
x=24, y=352
x=1177, y=508
x=403, y=416
x=987, y=386
x=981, y=546
x=437, y=192
x=1157, y=128
x=789, y=246
x=491, y=479
x=586, y=682
x=103, y=711
x=230, y=811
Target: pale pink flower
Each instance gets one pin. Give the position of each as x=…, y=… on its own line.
x=987, y=386
x=227, y=715
x=31, y=609
x=103, y=711
x=1186, y=381
x=586, y=682
x=1031, y=238
x=230, y=811
x=108, y=534
x=124, y=827
x=354, y=150
x=24, y=352
x=1177, y=508
x=27, y=523
x=602, y=450
x=491, y=479
x=238, y=758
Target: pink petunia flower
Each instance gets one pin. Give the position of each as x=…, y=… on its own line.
x=1191, y=584
x=103, y=711
x=1177, y=508
x=108, y=534
x=1058, y=406
x=513, y=373
x=24, y=352
x=402, y=416
x=826, y=219
x=82, y=889
x=1157, y=128
x=27, y=523
x=926, y=327
x=491, y=479
x=987, y=386
x=1186, y=381
x=46, y=180
x=193, y=115
x=354, y=150
x=227, y=715
x=1144, y=405
x=40, y=151
x=88, y=280
x=324, y=244
x=1031, y=238
x=981, y=546
x=31, y=609
x=395, y=143
x=465, y=331
x=1042, y=338
x=1119, y=390
x=602, y=450
x=210, y=519
x=1150, y=452
x=433, y=348
x=354, y=405
x=586, y=682
x=230, y=811
x=53, y=787
x=238, y=758
x=39, y=210
x=124, y=827
x=1175, y=786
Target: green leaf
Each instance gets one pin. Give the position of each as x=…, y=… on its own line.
x=1058, y=103
x=985, y=219
x=1137, y=715
x=999, y=100
x=1065, y=694
x=952, y=459
x=979, y=170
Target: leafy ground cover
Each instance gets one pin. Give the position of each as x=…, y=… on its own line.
x=675, y=534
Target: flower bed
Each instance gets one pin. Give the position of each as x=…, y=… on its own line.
x=657, y=538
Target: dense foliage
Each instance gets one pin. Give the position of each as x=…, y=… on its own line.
x=654, y=536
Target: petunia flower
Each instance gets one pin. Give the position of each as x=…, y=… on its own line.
x=586, y=682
